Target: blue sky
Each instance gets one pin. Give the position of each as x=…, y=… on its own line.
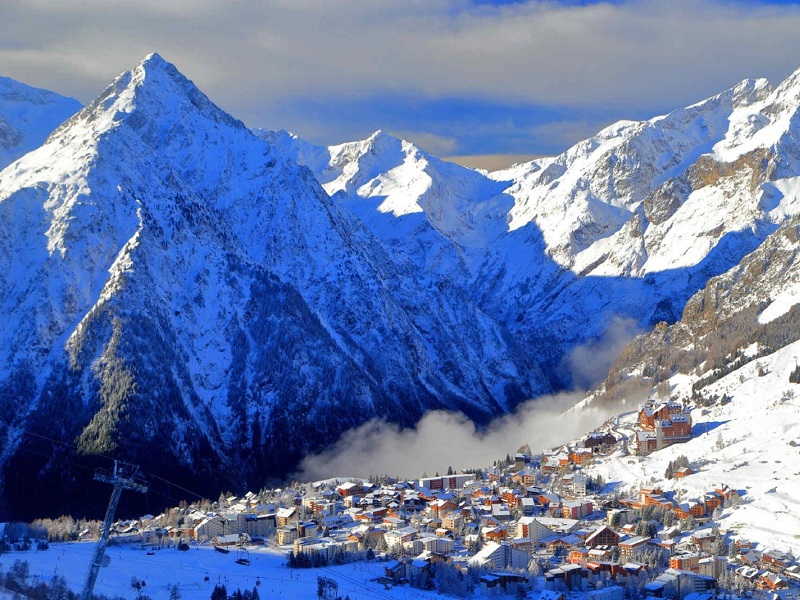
x=458, y=77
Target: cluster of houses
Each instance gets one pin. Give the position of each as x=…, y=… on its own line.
x=534, y=516
x=699, y=507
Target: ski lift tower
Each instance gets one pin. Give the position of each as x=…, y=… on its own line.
x=124, y=476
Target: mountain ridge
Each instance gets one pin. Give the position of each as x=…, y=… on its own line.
x=245, y=297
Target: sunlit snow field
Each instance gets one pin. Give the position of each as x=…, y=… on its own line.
x=189, y=570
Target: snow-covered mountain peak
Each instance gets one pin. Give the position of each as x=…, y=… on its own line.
x=155, y=99
x=27, y=116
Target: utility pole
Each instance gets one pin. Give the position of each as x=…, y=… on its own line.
x=125, y=476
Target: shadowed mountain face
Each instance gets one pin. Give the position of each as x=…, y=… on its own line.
x=215, y=303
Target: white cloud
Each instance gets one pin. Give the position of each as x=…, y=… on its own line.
x=252, y=55
x=443, y=439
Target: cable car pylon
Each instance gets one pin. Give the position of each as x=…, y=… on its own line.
x=124, y=476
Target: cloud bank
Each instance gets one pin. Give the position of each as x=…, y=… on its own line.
x=443, y=439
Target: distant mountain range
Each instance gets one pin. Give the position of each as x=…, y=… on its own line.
x=214, y=303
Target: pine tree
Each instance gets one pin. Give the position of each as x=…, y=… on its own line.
x=219, y=593
x=720, y=546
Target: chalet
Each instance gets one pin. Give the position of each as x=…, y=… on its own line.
x=775, y=561
x=653, y=411
x=604, y=536
x=771, y=581
x=647, y=495
x=396, y=571
x=496, y=534
x=494, y=474
x=411, y=500
x=492, y=499
x=560, y=544
x=232, y=539
x=578, y=556
x=419, y=566
x=512, y=498
x=695, y=507
x=727, y=493
x=704, y=540
x=748, y=574
x=550, y=500
x=599, y=554
x=683, y=472
x=712, y=500
x=442, y=506
x=350, y=488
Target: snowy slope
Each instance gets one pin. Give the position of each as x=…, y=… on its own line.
x=188, y=571
x=27, y=116
x=749, y=444
x=730, y=357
